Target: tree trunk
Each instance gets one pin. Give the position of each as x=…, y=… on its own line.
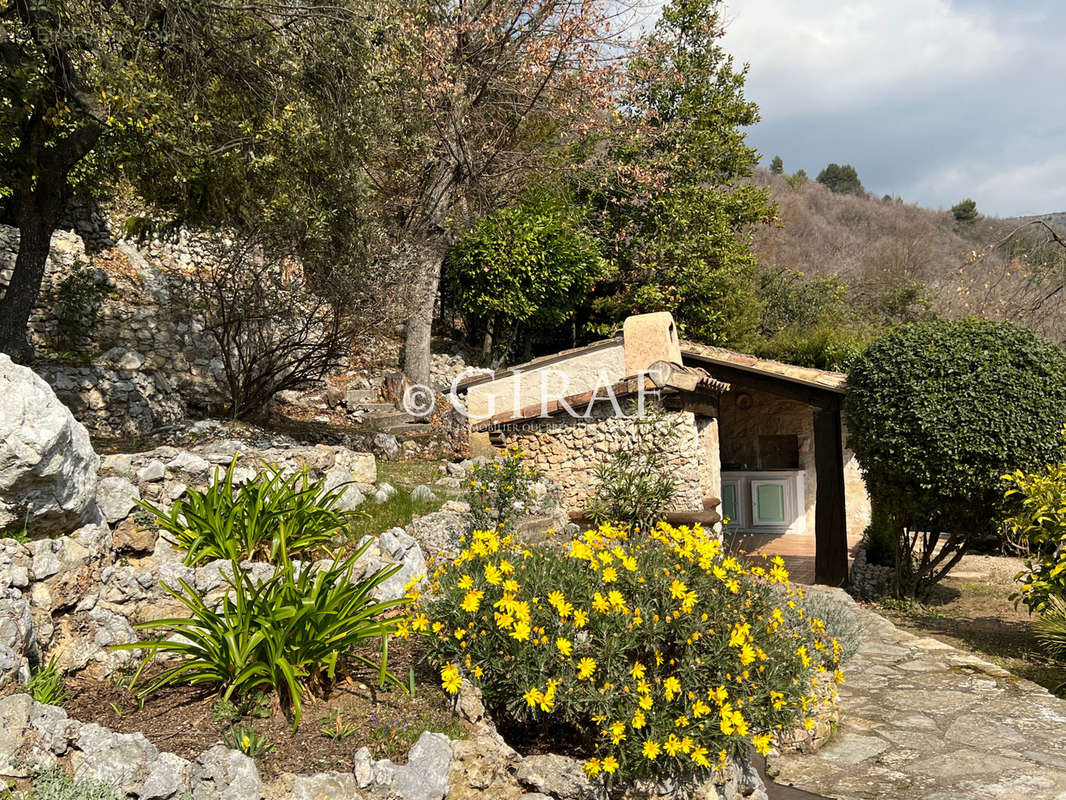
x=37, y=209
x=486, y=340
x=416, y=354
x=35, y=236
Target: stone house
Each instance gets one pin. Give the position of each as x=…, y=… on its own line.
x=757, y=441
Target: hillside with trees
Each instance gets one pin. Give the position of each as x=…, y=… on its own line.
x=838, y=264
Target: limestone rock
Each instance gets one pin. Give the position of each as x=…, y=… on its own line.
x=55, y=728
x=558, y=776
x=123, y=760
x=47, y=464
x=226, y=774
x=359, y=467
x=167, y=778
x=15, y=710
x=130, y=537
x=151, y=472
x=363, y=767
x=17, y=639
x=116, y=497
x=439, y=532
x=325, y=786
x=425, y=775
x=350, y=498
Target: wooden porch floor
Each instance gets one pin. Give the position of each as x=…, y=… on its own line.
x=797, y=550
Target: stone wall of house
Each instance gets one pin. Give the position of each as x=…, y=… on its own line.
x=710, y=462
x=567, y=451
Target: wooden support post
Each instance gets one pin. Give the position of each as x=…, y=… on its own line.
x=830, y=526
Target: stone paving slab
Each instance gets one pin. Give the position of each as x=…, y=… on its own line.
x=922, y=720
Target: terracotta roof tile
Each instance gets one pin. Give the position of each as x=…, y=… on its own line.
x=834, y=381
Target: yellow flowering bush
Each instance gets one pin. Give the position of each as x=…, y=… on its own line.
x=667, y=655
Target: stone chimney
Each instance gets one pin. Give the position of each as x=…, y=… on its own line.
x=648, y=338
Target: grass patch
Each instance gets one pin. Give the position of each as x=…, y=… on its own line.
x=397, y=511
x=391, y=736
x=409, y=473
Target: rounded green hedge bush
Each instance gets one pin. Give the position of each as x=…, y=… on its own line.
x=938, y=411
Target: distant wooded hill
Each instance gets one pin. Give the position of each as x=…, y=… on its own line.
x=893, y=261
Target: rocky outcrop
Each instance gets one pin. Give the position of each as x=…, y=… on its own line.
x=47, y=464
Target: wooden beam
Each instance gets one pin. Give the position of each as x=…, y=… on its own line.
x=830, y=520
x=782, y=387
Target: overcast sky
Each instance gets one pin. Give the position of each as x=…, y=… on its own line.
x=929, y=99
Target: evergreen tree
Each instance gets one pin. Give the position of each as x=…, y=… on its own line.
x=965, y=211
x=841, y=179
x=675, y=210
x=777, y=166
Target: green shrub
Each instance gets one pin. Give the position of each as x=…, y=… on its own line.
x=54, y=784
x=937, y=412
x=47, y=685
x=1040, y=520
x=880, y=538
x=827, y=345
x=283, y=635
x=523, y=269
x=665, y=656
x=247, y=520
x=634, y=485
x=499, y=491
x=839, y=620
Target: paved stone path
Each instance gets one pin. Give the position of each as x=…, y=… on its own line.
x=923, y=720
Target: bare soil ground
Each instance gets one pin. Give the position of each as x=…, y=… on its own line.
x=971, y=609
x=186, y=720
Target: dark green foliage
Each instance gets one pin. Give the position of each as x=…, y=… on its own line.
x=808, y=321
x=249, y=519
x=936, y=413
x=965, y=211
x=777, y=166
x=79, y=297
x=841, y=179
x=880, y=538
x=634, y=485
x=827, y=345
x=284, y=635
x=524, y=268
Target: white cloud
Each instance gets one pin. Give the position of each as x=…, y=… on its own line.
x=1002, y=189
x=934, y=100
x=831, y=55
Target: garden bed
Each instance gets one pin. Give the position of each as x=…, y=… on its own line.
x=188, y=720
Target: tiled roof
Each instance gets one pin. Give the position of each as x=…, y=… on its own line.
x=808, y=376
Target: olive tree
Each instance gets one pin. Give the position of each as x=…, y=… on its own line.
x=937, y=413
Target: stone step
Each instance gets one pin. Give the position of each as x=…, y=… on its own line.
x=362, y=397
x=377, y=408
x=410, y=429
x=384, y=419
